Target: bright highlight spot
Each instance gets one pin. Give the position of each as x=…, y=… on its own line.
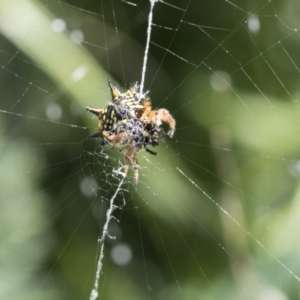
x=77, y=36
x=121, y=254
x=58, y=25
x=54, y=112
x=88, y=187
x=220, y=81
x=79, y=73
x=253, y=24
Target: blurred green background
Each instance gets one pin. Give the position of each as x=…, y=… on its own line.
x=215, y=215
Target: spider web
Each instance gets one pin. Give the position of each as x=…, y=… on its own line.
x=215, y=213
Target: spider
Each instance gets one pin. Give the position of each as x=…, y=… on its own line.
x=130, y=124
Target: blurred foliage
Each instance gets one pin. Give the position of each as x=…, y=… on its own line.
x=234, y=94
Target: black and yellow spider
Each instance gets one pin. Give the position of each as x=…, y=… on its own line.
x=130, y=124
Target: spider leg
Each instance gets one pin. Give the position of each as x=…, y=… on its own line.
x=113, y=138
x=146, y=110
x=163, y=115
x=150, y=151
x=130, y=157
x=97, y=134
